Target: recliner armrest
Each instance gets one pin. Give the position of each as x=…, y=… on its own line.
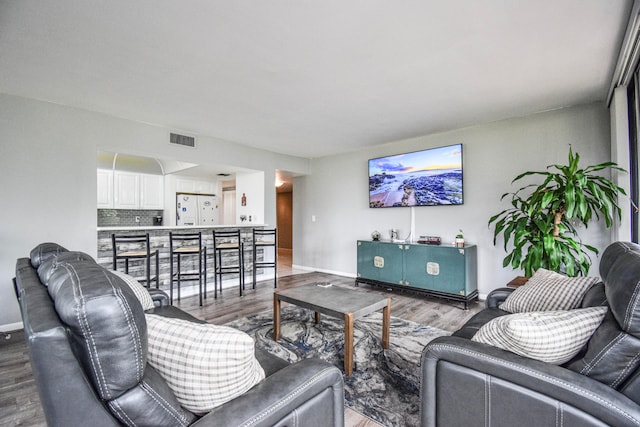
x=497, y=297
x=159, y=297
x=503, y=386
x=311, y=389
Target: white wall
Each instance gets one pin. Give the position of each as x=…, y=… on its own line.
x=336, y=193
x=250, y=184
x=48, y=176
x=48, y=182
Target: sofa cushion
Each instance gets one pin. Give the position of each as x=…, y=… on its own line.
x=43, y=252
x=105, y=322
x=613, y=353
x=622, y=287
x=47, y=267
x=550, y=336
x=548, y=290
x=139, y=291
x=205, y=365
x=150, y=404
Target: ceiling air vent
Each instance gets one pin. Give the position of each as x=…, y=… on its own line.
x=187, y=141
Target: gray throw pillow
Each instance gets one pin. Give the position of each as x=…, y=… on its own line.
x=204, y=365
x=550, y=336
x=547, y=290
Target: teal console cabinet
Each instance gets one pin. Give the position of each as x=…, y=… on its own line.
x=443, y=271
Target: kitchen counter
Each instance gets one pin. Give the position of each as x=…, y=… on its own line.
x=181, y=227
x=159, y=239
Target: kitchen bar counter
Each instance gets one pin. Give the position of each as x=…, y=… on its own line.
x=180, y=227
x=159, y=239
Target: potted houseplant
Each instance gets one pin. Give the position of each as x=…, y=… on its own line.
x=541, y=222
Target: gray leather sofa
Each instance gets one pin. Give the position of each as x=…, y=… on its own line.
x=100, y=382
x=465, y=383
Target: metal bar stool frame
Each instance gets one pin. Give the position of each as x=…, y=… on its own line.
x=188, y=244
x=258, y=236
x=227, y=241
x=146, y=254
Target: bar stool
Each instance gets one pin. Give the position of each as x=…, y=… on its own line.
x=227, y=246
x=187, y=244
x=142, y=251
x=263, y=239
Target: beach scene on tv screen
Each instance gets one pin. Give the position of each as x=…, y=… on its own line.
x=422, y=178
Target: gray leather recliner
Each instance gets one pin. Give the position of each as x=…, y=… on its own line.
x=465, y=383
x=100, y=376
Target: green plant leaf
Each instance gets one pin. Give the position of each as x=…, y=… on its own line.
x=578, y=195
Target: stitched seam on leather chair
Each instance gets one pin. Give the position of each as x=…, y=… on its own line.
x=133, y=328
x=487, y=400
x=537, y=374
x=628, y=318
x=84, y=324
x=163, y=403
x=602, y=353
x=134, y=332
x=122, y=415
x=625, y=371
x=288, y=397
x=559, y=415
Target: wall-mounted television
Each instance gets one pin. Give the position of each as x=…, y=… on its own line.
x=429, y=177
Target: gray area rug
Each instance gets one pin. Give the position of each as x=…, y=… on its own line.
x=385, y=383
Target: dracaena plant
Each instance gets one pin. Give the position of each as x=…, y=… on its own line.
x=541, y=223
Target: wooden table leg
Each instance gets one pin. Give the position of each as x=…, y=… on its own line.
x=317, y=317
x=276, y=317
x=386, y=320
x=348, y=343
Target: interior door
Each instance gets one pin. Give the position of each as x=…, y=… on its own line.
x=228, y=206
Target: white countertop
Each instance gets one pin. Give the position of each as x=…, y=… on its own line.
x=180, y=227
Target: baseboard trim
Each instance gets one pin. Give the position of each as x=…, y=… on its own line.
x=10, y=327
x=322, y=270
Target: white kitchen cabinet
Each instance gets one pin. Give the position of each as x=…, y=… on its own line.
x=151, y=191
x=195, y=186
x=105, y=189
x=204, y=187
x=126, y=190
x=184, y=185
x=129, y=190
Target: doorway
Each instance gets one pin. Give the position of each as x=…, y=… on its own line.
x=284, y=221
x=228, y=205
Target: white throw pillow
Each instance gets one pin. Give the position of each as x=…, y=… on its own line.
x=550, y=336
x=140, y=291
x=548, y=290
x=204, y=365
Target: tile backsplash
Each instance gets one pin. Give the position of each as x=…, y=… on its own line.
x=126, y=217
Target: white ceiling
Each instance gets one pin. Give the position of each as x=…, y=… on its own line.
x=311, y=78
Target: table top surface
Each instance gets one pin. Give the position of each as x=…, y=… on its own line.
x=333, y=300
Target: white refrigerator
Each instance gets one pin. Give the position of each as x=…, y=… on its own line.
x=196, y=209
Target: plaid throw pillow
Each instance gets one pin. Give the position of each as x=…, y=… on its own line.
x=140, y=291
x=204, y=365
x=548, y=290
x=550, y=336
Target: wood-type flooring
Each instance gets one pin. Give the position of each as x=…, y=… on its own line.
x=20, y=404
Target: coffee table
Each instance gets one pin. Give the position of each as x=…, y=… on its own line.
x=336, y=302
